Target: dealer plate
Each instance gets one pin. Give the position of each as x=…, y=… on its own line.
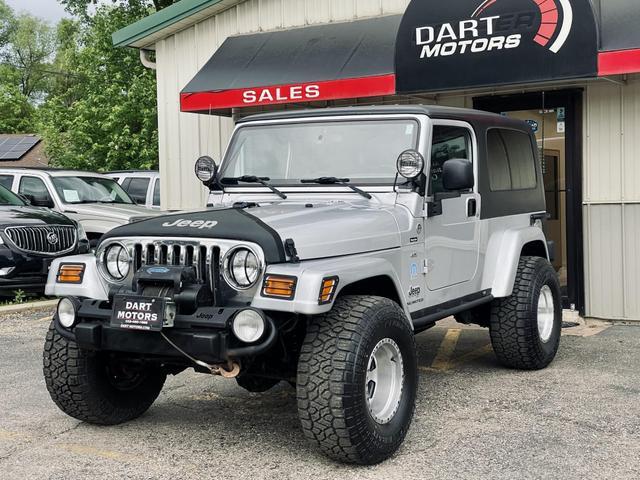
x=138, y=313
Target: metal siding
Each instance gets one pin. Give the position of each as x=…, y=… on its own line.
x=368, y=8
x=342, y=10
x=318, y=11
x=605, y=257
x=293, y=13
x=631, y=224
x=612, y=199
x=270, y=14
x=631, y=141
x=603, y=154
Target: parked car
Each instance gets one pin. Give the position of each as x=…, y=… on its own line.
x=94, y=200
x=30, y=238
x=143, y=186
x=336, y=236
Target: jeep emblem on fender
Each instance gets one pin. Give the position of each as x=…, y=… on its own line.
x=52, y=238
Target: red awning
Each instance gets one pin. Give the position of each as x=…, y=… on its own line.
x=325, y=62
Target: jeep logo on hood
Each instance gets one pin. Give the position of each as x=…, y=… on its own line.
x=199, y=224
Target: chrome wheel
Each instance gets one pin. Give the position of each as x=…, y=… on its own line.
x=546, y=313
x=384, y=380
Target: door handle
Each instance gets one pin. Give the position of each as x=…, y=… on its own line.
x=472, y=207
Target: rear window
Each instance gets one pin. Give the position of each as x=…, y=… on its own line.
x=511, y=160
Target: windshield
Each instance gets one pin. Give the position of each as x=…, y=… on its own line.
x=363, y=151
x=90, y=190
x=9, y=198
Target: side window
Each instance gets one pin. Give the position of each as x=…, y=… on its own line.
x=34, y=188
x=497, y=162
x=6, y=181
x=156, y=193
x=511, y=160
x=137, y=189
x=448, y=142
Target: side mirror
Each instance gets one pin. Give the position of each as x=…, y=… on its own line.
x=206, y=170
x=457, y=174
x=40, y=201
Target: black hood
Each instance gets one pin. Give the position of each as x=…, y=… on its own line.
x=12, y=215
x=226, y=224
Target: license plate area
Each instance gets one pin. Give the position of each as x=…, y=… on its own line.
x=139, y=313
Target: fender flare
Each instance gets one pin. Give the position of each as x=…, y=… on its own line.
x=311, y=273
x=502, y=257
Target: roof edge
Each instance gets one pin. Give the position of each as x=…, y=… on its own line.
x=127, y=36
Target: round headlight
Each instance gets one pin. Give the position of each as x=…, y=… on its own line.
x=66, y=313
x=205, y=169
x=248, y=326
x=410, y=164
x=241, y=268
x=117, y=262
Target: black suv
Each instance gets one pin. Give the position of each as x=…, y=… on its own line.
x=30, y=237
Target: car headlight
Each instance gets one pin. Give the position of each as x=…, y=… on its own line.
x=117, y=262
x=241, y=268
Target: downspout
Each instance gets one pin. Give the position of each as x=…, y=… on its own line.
x=144, y=58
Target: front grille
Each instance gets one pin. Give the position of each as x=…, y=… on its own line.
x=204, y=258
x=43, y=240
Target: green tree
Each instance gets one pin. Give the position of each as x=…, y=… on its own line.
x=7, y=23
x=16, y=113
x=31, y=44
x=82, y=8
x=107, y=118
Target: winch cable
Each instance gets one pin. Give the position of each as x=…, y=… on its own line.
x=163, y=291
x=213, y=369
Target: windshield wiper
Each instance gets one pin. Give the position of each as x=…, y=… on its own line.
x=336, y=181
x=253, y=179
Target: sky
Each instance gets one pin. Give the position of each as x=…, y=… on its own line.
x=49, y=10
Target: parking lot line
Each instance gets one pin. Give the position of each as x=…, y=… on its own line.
x=96, y=452
x=446, y=349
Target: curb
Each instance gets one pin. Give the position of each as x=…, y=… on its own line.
x=27, y=306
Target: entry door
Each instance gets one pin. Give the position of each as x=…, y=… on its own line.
x=452, y=225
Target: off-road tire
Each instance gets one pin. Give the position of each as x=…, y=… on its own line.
x=514, y=319
x=255, y=384
x=331, y=384
x=79, y=385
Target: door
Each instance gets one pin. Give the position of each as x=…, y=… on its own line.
x=36, y=191
x=452, y=225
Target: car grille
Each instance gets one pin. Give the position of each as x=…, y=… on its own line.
x=204, y=258
x=43, y=240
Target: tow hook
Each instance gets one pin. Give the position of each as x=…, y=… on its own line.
x=233, y=367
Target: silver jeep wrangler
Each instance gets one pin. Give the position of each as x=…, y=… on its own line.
x=333, y=238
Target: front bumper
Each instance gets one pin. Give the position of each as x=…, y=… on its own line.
x=205, y=335
x=29, y=272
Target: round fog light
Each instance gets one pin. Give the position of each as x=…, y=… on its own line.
x=66, y=313
x=248, y=326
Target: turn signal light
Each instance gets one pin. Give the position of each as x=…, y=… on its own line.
x=70, y=273
x=327, y=290
x=279, y=286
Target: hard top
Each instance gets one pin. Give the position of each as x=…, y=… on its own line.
x=475, y=117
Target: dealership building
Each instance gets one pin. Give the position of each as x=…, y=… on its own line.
x=570, y=68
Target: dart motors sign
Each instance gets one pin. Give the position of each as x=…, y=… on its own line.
x=473, y=43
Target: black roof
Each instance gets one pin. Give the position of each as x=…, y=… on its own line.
x=432, y=111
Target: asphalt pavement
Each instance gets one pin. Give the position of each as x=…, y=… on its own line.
x=578, y=419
